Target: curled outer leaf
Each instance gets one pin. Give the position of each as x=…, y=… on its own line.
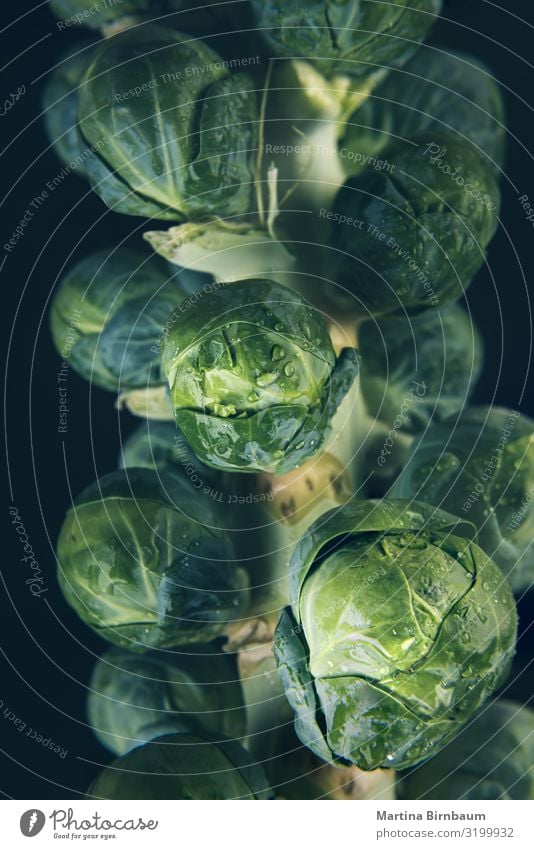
x=399, y=628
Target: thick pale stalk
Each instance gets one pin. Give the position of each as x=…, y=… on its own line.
x=268, y=534
x=152, y=402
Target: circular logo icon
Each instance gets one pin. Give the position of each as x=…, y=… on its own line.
x=32, y=822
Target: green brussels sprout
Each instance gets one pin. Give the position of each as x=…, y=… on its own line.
x=399, y=630
x=183, y=766
x=107, y=317
x=133, y=698
x=435, y=91
x=143, y=563
x=349, y=37
x=173, y=132
x=491, y=758
x=480, y=465
x=416, y=369
x=253, y=376
x=414, y=236
x=60, y=107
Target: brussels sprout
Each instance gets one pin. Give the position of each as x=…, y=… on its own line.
x=416, y=369
x=350, y=37
x=413, y=237
x=399, y=629
x=143, y=563
x=436, y=91
x=481, y=466
x=133, y=699
x=491, y=758
x=253, y=376
x=60, y=107
x=183, y=766
x=108, y=314
x=174, y=134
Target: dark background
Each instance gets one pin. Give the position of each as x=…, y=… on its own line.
x=47, y=652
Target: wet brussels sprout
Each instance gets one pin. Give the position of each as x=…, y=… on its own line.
x=60, y=107
x=107, y=318
x=480, y=466
x=399, y=629
x=351, y=37
x=143, y=562
x=253, y=376
x=174, y=133
x=438, y=90
x=416, y=369
x=183, y=766
x=491, y=758
x=133, y=698
x=413, y=235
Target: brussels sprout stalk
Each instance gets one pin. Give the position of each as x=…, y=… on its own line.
x=294, y=501
x=229, y=250
x=323, y=105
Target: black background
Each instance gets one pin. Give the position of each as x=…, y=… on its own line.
x=47, y=652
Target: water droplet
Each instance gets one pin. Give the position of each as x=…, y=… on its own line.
x=267, y=379
x=289, y=369
x=222, y=444
x=306, y=330
x=277, y=353
x=279, y=327
x=253, y=396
